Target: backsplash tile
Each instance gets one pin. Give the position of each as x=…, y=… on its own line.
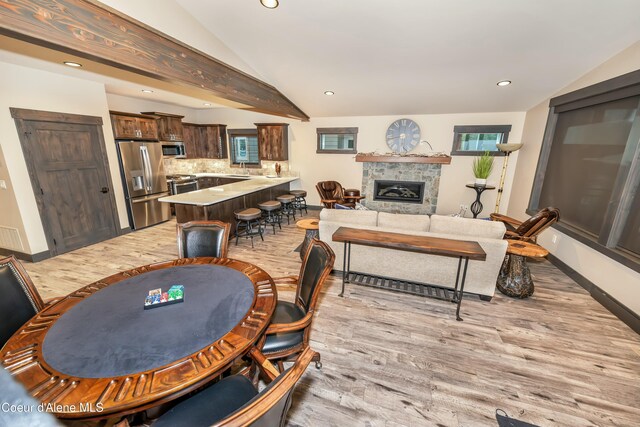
x=190, y=166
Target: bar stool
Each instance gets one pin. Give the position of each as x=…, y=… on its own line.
x=246, y=222
x=288, y=205
x=300, y=202
x=271, y=213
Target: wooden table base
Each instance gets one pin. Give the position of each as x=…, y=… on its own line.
x=515, y=279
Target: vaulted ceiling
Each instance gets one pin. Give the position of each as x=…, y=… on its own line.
x=420, y=56
x=384, y=58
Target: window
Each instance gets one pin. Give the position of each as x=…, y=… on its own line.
x=475, y=140
x=337, y=140
x=243, y=144
x=589, y=167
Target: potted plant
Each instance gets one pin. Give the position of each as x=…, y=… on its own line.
x=482, y=167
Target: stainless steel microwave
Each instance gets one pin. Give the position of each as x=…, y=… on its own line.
x=173, y=149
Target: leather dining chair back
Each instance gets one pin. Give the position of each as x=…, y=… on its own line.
x=203, y=239
x=19, y=300
x=234, y=402
x=317, y=265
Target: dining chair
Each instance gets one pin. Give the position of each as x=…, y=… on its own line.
x=20, y=299
x=288, y=333
x=234, y=401
x=203, y=239
x=529, y=229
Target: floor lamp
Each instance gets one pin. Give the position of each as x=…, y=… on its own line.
x=507, y=149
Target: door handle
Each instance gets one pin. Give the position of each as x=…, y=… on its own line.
x=104, y=190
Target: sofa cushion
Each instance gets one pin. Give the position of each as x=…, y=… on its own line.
x=403, y=221
x=354, y=217
x=467, y=227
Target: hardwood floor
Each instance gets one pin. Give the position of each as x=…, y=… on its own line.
x=557, y=358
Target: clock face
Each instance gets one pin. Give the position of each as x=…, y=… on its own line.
x=403, y=135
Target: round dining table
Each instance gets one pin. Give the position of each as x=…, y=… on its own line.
x=98, y=354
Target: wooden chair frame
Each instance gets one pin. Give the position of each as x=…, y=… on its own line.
x=303, y=324
x=224, y=250
x=531, y=235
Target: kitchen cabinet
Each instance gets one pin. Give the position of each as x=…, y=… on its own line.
x=169, y=126
x=133, y=126
x=273, y=141
x=214, y=181
x=207, y=141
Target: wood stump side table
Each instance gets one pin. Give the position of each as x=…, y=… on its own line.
x=311, y=226
x=514, y=279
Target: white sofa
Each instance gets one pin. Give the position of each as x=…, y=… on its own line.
x=416, y=267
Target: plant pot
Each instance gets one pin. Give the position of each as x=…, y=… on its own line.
x=480, y=181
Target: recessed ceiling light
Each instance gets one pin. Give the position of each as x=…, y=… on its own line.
x=147, y=91
x=329, y=92
x=270, y=4
x=504, y=83
x=72, y=64
x=206, y=104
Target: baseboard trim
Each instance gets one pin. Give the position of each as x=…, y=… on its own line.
x=618, y=309
x=26, y=257
x=124, y=231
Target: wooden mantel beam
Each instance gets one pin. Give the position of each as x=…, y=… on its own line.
x=89, y=29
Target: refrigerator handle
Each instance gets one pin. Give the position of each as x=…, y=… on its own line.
x=147, y=167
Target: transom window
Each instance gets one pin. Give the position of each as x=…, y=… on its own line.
x=337, y=140
x=476, y=140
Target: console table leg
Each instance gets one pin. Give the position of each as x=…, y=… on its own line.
x=344, y=268
x=455, y=290
x=464, y=276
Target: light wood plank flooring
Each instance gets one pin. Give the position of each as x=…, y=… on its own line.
x=557, y=358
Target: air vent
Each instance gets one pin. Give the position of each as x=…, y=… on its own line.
x=10, y=239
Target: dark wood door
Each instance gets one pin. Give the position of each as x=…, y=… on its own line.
x=189, y=134
x=273, y=141
x=125, y=127
x=69, y=174
x=148, y=129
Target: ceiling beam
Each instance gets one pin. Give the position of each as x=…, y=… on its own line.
x=91, y=30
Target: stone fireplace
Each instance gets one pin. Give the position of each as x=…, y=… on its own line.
x=400, y=185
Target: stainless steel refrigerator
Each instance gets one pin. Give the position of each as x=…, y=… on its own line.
x=144, y=182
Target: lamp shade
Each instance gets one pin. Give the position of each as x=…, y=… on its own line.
x=509, y=147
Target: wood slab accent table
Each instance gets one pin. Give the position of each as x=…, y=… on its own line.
x=515, y=279
x=117, y=314
x=461, y=249
x=311, y=226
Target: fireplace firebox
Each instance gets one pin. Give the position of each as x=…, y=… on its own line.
x=398, y=191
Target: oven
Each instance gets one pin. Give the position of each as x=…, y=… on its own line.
x=174, y=149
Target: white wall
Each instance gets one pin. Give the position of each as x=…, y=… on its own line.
x=619, y=281
x=29, y=88
x=137, y=105
x=435, y=128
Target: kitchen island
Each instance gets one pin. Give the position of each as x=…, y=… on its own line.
x=219, y=203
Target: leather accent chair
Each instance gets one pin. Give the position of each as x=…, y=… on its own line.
x=331, y=192
x=528, y=230
x=233, y=401
x=20, y=299
x=288, y=333
x=203, y=239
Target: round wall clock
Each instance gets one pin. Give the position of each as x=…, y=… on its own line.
x=403, y=135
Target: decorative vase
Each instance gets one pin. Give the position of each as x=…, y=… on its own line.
x=278, y=169
x=480, y=181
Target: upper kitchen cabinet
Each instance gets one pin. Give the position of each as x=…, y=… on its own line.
x=273, y=141
x=169, y=126
x=207, y=141
x=133, y=126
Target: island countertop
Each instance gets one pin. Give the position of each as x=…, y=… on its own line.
x=221, y=193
